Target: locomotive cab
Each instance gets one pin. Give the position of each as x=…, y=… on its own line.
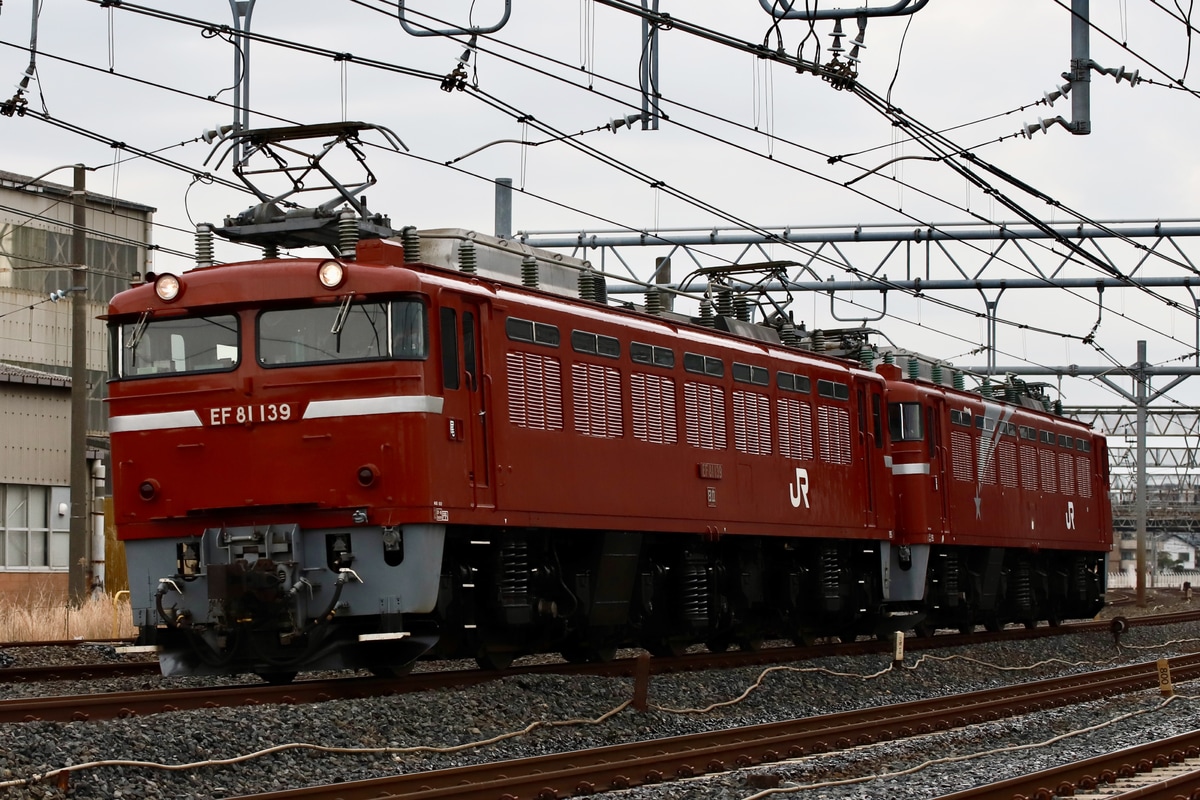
x=283, y=501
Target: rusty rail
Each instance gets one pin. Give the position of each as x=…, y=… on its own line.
x=647, y=762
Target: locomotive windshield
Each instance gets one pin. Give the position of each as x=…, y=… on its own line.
x=181, y=344
x=353, y=332
x=311, y=335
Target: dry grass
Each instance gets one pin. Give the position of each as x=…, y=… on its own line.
x=42, y=618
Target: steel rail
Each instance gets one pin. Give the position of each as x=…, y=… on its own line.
x=648, y=762
x=1106, y=770
x=621, y=668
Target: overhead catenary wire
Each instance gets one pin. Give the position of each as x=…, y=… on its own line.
x=839, y=268
x=744, y=45
x=936, y=301
x=1085, y=256
x=808, y=149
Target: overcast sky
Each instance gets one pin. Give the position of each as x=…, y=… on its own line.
x=961, y=62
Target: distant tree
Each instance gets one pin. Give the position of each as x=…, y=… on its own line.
x=1170, y=562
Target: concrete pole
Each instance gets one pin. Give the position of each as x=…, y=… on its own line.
x=1081, y=69
x=662, y=275
x=1139, y=501
x=242, y=10
x=98, y=577
x=504, y=208
x=78, y=556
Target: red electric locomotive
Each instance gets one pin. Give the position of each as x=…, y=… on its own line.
x=1011, y=502
x=345, y=463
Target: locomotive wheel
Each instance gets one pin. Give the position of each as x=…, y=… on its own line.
x=666, y=648
x=1054, y=614
x=588, y=654
x=391, y=670
x=494, y=660
x=924, y=630
x=277, y=678
x=719, y=644
x=751, y=644
x=803, y=639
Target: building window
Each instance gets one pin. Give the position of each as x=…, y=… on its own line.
x=28, y=540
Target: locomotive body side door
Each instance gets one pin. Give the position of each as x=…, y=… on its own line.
x=873, y=447
x=867, y=450
x=935, y=432
x=478, y=386
x=467, y=389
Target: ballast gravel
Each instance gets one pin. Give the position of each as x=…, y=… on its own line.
x=274, y=747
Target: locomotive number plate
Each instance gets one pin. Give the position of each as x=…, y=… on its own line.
x=241, y=415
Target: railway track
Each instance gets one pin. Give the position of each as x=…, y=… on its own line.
x=112, y=705
x=773, y=655
x=629, y=724
x=1168, y=769
x=647, y=762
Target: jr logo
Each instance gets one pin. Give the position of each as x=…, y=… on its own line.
x=799, y=492
x=1070, y=515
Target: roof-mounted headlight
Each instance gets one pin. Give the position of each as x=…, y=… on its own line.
x=331, y=274
x=168, y=287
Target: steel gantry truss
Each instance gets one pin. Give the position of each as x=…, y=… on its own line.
x=989, y=260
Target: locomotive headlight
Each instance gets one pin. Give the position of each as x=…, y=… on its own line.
x=331, y=274
x=168, y=287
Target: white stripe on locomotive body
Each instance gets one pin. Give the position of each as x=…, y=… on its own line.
x=366, y=406
x=317, y=409
x=910, y=469
x=161, y=421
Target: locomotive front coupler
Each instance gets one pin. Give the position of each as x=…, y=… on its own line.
x=345, y=575
x=174, y=619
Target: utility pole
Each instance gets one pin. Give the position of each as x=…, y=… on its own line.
x=504, y=208
x=242, y=10
x=1139, y=501
x=1081, y=69
x=78, y=555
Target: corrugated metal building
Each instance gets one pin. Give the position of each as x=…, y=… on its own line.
x=35, y=363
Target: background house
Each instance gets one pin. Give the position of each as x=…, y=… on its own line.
x=36, y=234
